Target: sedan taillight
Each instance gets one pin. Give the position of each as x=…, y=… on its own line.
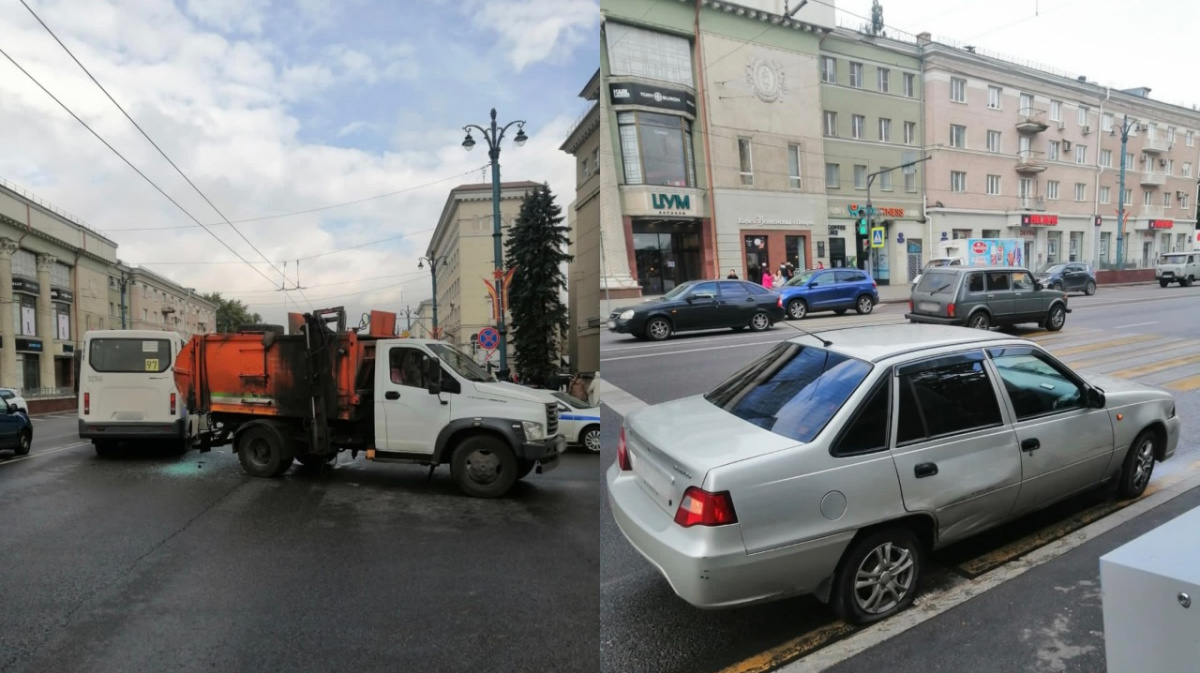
x=701, y=508
x=87, y=403
x=623, y=454
x=779, y=302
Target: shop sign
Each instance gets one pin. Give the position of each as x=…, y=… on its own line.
x=1038, y=219
x=836, y=228
x=852, y=209
x=31, y=345
x=649, y=95
x=1162, y=224
x=61, y=295
x=68, y=349
x=671, y=204
x=1027, y=233
x=760, y=221
x=25, y=285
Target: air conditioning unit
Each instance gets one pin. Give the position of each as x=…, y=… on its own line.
x=1180, y=195
x=1067, y=145
x=1061, y=125
x=1162, y=162
x=1143, y=159
x=1085, y=129
x=1039, y=203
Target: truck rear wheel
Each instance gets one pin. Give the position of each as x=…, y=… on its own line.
x=484, y=467
x=263, y=452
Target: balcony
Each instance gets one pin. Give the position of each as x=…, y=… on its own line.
x=1156, y=145
x=1037, y=203
x=1153, y=179
x=1029, y=161
x=1032, y=120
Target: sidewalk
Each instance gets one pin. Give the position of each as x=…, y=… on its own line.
x=1047, y=618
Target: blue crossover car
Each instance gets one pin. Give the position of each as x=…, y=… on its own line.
x=836, y=290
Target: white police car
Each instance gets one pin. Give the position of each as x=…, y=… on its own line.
x=578, y=422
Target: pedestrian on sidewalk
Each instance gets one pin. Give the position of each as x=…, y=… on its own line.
x=767, y=279
x=732, y=275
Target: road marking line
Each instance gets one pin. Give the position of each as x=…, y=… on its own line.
x=1173, y=345
x=43, y=453
x=1189, y=383
x=1112, y=343
x=935, y=604
x=620, y=401
x=772, y=658
x=1152, y=367
x=689, y=350
x=1136, y=324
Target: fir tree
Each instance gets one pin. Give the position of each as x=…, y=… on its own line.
x=537, y=246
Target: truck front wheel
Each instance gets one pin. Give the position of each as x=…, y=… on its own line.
x=484, y=467
x=262, y=452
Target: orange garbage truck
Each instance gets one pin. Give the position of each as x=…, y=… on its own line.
x=322, y=388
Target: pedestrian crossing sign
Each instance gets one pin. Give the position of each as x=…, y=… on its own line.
x=877, y=237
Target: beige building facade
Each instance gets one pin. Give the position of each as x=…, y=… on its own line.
x=462, y=247
x=156, y=303
x=583, y=272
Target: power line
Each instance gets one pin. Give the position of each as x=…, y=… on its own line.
x=322, y=254
x=130, y=164
x=160, y=150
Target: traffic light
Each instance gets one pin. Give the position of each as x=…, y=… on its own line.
x=862, y=222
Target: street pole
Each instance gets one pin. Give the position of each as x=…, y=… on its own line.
x=871, y=211
x=1121, y=195
x=433, y=265
x=493, y=134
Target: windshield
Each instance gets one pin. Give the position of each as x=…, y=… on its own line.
x=1051, y=269
x=801, y=278
x=570, y=401
x=461, y=363
x=939, y=263
x=793, y=390
x=936, y=282
x=146, y=356
x=678, y=291
x=1174, y=259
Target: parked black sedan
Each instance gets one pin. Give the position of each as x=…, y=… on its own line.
x=1068, y=277
x=699, y=305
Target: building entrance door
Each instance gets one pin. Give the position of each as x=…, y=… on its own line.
x=914, y=258
x=837, y=252
x=756, y=258
x=31, y=373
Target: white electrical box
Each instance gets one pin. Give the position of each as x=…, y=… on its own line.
x=1151, y=594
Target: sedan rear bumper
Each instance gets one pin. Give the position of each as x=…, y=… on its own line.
x=708, y=566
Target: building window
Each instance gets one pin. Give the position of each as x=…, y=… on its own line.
x=1083, y=115
x=1105, y=244
x=958, y=136
x=910, y=85
x=1170, y=166
x=1187, y=169
x=958, y=90
x=831, y=124
x=1128, y=195
x=1147, y=197
x=656, y=149
x=958, y=181
x=856, y=75
x=1080, y=191
x=1129, y=161
x=62, y=322
x=1105, y=195
x=745, y=161
x=1052, y=190
x=885, y=80
x=794, y=166
x=1189, y=137
x=1026, y=188
x=885, y=180
x=994, y=97
x=828, y=69
x=25, y=315
x=1052, y=150
x=1183, y=201
x=1106, y=158
x=910, y=133
x=1026, y=105
x=857, y=122
x=145, y=315
x=993, y=185
x=832, y=176
x=885, y=130
x=910, y=182
x=860, y=176
x=1170, y=135
x=1106, y=122
x=649, y=54
x=1056, y=110
x=1081, y=154
x=1151, y=131
x=993, y=141
x=1166, y=199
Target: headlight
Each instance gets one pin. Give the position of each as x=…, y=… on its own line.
x=533, y=431
x=627, y=315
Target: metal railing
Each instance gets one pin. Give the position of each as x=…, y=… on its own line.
x=34, y=198
x=44, y=393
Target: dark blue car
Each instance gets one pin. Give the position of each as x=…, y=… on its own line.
x=16, y=431
x=836, y=290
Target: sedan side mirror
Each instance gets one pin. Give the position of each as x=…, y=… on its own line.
x=1095, y=398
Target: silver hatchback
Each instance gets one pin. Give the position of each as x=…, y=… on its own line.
x=835, y=462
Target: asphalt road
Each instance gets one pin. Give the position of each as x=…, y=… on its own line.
x=146, y=562
x=1144, y=333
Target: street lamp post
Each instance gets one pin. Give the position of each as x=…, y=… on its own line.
x=1126, y=127
x=433, y=265
x=493, y=134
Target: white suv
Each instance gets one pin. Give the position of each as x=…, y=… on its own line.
x=1177, y=267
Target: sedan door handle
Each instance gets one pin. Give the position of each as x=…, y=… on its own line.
x=1031, y=444
x=749, y=299
x=925, y=470
x=391, y=395
x=991, y=296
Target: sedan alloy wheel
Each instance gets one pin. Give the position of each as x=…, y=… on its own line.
x=658, y=329
x=760, y=322
x=878, y=577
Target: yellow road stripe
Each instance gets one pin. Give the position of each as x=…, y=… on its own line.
x=1189, y=383
x=1167, y=347
x=1152, y=367
x=791, y=650
x=1113, y=343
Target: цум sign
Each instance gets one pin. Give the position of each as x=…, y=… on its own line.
x=671, y=204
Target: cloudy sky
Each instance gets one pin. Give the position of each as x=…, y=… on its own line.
x=279, y=106
x=1113, y=42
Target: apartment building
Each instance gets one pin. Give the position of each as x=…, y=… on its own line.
x=583, y=216
x=1020, y=152
x=153, y=302
x=871, y=115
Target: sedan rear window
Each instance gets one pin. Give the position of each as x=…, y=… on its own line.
x=793, y=390
x=937, y=282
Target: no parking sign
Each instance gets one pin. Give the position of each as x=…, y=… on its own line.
x=489, y=338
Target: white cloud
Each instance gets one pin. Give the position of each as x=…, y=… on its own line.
x=220, y=109
x=536, y=30
x=243, y=16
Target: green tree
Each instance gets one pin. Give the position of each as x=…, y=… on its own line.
x=231, y=313
x=537, y=247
